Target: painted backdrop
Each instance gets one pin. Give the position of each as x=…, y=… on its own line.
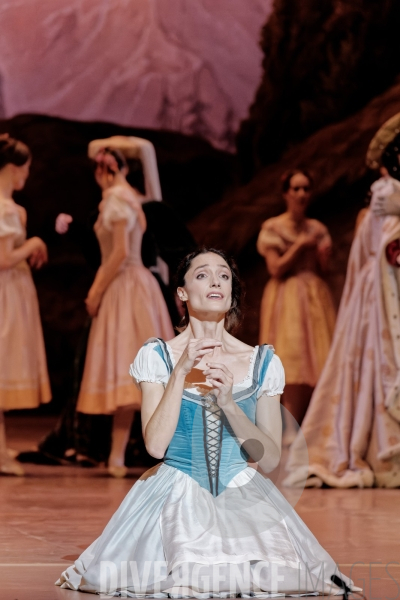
x=186, y=66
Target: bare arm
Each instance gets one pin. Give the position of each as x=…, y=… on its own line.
x=323, y=247
x=278, y=265
x=360, y=218
x=324, y=253
x=160, y=409
x=383, y=205
x=160, y=412
x=10, y=256
x=109, y=269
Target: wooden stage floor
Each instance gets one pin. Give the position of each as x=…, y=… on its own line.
x=48, y=517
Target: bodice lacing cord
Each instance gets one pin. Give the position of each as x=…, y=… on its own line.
x=213, y=418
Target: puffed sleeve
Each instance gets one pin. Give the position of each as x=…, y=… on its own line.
x=274, y=380
x=149, y=366
x=10, y=223
x=116, y=208
x=269, y=237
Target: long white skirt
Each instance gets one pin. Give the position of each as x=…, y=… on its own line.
x=171, y=537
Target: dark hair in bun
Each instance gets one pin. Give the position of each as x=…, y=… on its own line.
x=287, y=177
x=119, y=157
x=13, y=151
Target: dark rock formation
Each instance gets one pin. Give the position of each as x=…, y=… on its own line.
x=323, y=61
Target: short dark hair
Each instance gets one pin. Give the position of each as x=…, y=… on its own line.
x=287, y=176
x=119, y=157
x=13, y=152
x=233, y=317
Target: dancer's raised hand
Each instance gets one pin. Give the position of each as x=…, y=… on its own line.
x=307, y=240
x=39, y=255
x=383, y=205
x=92, y=302
x=194, y=352
x=63, y=222
x=221, y=379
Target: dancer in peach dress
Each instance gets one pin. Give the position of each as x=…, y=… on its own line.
x=297, y=311
x=24, y=381
x=125, y=302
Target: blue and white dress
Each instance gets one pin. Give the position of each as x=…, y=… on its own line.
x=203, y=523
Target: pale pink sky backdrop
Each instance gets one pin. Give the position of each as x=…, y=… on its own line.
x=187, y=65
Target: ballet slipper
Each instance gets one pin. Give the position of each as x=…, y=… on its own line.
x=119, y=472
x=11, y=467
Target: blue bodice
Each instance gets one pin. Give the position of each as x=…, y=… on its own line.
x=204, y=445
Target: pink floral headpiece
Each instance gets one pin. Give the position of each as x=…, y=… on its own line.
x=106, y=159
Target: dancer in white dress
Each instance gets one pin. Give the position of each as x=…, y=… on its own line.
x=203, y=523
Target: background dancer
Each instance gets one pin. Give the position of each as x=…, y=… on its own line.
x=125, y=302
x=352, y=427
x=24, y=381
x=297, y=312
x=83, y=437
